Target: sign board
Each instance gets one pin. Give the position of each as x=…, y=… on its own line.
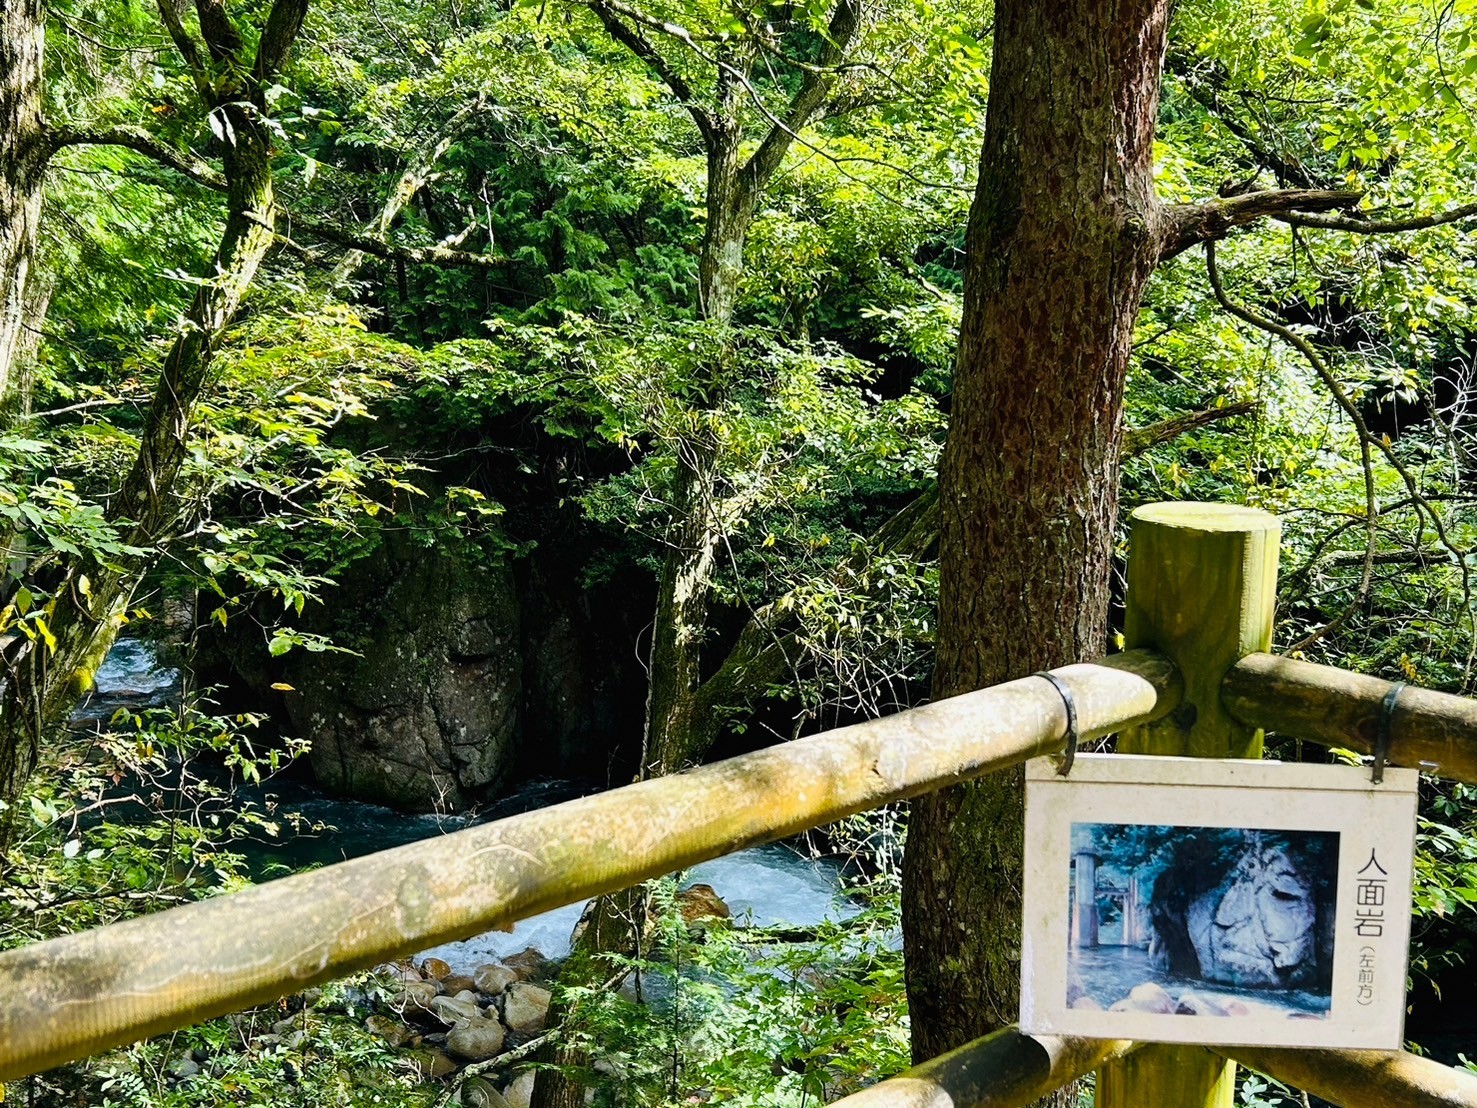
x=1192, y=900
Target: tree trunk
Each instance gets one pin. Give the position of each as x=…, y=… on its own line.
x=42, y=683
x=22, y=165
x=1062, y=237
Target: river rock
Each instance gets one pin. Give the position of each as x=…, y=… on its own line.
x=433, y=1063
x=435, y=969
x=392, y=1031
x=1147, y=997
x=478, y=1092
x=519, y=1092
x=528, y=964
x=416, y=995
x=182, y=1068
x=450, y=1010
x=395, y=972
x=526, y=1007
x=492, y=979
x=475, y=1040
x=457, y=983
x=702, y=902
x=1193, y=1004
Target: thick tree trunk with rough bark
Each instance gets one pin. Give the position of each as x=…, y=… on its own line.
x=1062, y=236
x=23, y=155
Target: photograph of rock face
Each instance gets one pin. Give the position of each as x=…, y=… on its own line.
x=1201, y=921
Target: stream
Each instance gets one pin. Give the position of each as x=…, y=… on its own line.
x=765, y=885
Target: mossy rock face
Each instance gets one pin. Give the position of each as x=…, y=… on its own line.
x=425, y=715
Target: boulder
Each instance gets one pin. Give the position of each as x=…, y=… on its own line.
x=701, y=902
x=416, y=995
x=423, y=715
x=519, y=1092
x=492, y=979
x=451, y=1011
x=478, y=1092
x=1193, y=1004
x=1150, y=997
x=526, y=1007
x=392, y=1031
x=475, y=1040
x=433, y=1063
x=395, y=972
x=528, y=964
x=1259, y=927
x=435, y=969
x=182, y=1068
x=457, y=983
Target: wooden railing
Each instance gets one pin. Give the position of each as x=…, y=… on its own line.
x=1207, y=692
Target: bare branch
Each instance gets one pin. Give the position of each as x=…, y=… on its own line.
x=1186, y=225
x=1359, y=225
x=809, y=98
x=638, y=44
x=1367, y=441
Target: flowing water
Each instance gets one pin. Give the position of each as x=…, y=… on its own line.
x=1109, y=973
x=764, y=885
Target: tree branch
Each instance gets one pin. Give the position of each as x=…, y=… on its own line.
x=815, y=86
x=638, y=44
x=412, y=179
x=379, y=248
x=283, y=23
x=140, y=141
x=220, y=34
x=1357, y=223
x=1186, y=225
x=1139, y=439
x=172, y=16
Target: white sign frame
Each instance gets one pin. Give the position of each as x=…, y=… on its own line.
x=1366, y=998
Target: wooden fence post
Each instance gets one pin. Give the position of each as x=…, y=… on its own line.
x=1202, y=583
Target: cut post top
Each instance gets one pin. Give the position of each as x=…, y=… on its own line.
x=1194, y=515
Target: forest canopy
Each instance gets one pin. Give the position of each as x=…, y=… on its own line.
x=464, y=393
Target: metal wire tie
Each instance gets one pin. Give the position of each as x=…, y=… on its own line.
x=1070, y=755
x=1382, y=731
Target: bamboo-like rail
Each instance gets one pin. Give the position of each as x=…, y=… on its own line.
x=1003, y=1070
x=1009, y=1069
x=73, y=996
x=1428, y=730
x=1363, y=1078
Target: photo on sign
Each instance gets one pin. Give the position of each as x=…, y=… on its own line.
x=1202, y=921
x=1189, y=900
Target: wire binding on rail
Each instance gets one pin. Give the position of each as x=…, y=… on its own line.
x=1070, y=755
x=1382, y=731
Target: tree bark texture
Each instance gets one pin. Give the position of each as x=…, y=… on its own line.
x=1063, y=234
x=23, y=155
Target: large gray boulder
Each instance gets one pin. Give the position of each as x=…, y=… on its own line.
x=424, y=715
x=1259, y=927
